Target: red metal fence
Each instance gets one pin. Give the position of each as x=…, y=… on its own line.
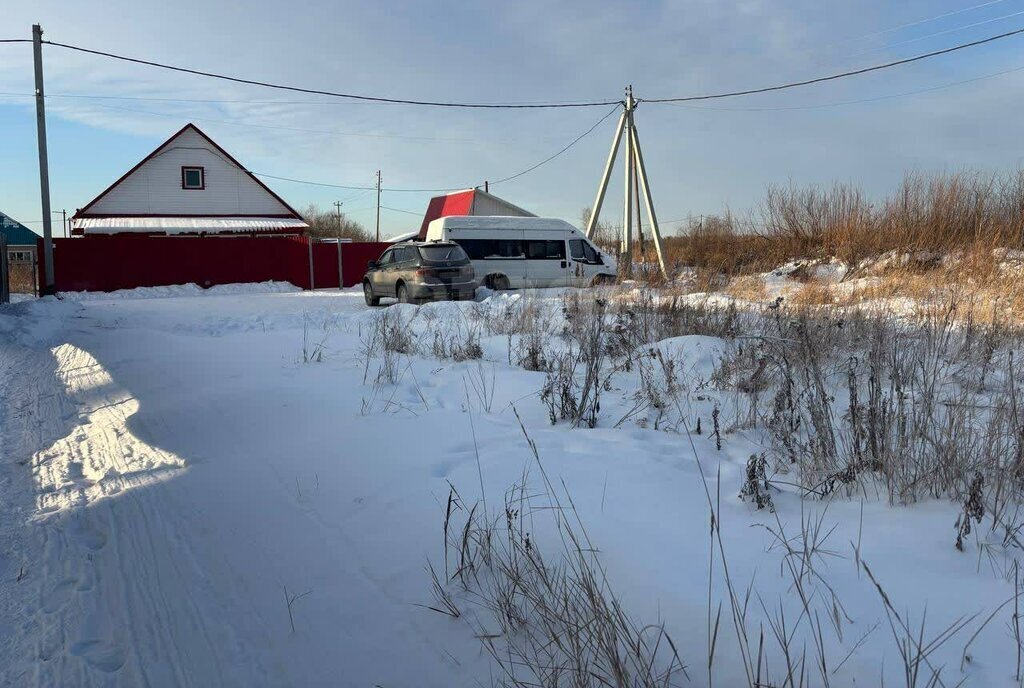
x=125, y=262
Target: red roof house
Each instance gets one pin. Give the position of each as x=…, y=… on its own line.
x=468, y=202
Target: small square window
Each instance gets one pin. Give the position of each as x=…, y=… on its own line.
x=193, y=178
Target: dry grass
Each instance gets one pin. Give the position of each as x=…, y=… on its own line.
x=813, y=293
x=746, y=287
x=926, y=218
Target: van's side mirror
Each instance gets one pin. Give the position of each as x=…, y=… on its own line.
x=372, y=265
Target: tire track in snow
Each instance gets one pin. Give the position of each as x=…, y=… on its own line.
x=113, y=604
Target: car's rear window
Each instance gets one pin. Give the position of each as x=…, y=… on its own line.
x=443, y=252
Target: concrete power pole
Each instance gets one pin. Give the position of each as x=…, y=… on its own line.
x=44, y=171
x=378, y=205
x=635, y=173
x=341, y=274
x=63, y=221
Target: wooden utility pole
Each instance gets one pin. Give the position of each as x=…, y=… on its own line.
x=378, y=205
x=636, y=174
x=44, y=170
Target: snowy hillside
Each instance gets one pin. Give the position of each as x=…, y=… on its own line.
x=249, y=486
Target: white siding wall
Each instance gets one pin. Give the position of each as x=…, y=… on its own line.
x=155, y=188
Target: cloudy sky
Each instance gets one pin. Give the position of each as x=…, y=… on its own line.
x=103, y=116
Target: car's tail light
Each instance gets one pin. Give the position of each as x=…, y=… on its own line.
x=427, y=272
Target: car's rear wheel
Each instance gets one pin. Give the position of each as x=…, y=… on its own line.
x=403, y=294
x=371, y=300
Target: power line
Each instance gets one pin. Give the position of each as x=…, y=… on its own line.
x=918, y=22
x=333, y=94
x=296, y=129
x=15, y=40
x=566, y=148
x=937, y=33
x=399, y=210
x=239, y=123
x=852, y=102
x=833, y=77
x=546, y=160
x=354, y=188
x=212, y=101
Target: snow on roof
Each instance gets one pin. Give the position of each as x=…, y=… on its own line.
x=503, y=222
x=407, y=236
x=185, y=225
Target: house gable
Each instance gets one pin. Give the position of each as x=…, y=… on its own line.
x=156, y=186
x=16, y=233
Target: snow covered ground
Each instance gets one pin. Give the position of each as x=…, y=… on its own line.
x=205, y=488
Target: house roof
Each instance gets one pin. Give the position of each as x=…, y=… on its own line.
x=84, y=211
x=16, y=233
x=466, y=203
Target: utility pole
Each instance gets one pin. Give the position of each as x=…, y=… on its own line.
x=626, y=246
x=338, y=204
x=378, y=206
x=64, y=220
x=636, y=175
x=44, y=172
x=341, y=275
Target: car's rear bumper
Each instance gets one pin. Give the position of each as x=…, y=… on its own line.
x=438, y=291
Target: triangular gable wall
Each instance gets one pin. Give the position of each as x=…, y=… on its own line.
x=153, y=188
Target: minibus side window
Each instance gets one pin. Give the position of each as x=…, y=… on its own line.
x=482, y=249
x=540, y=249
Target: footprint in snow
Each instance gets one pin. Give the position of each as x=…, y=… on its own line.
x=60, y=595
x=89, y=536
x=99, y=654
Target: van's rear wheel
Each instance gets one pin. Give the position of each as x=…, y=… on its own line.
x=498, y=282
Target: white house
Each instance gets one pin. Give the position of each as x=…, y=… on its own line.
x=188, y=185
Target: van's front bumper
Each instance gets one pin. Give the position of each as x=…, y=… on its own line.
x=442, y=291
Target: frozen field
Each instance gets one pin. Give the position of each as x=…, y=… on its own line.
x=220, y=488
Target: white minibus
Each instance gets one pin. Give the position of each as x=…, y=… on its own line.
x=516, y=252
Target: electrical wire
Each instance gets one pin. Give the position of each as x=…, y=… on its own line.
x=399, y=210
x=833, y=77
x=955, y=29
x=857, y=101
x=917, y=22
x=15, y=40
x=295, y=129
x=546, y=160
x=566, y=148
x=353, y=188
x=333, y=94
